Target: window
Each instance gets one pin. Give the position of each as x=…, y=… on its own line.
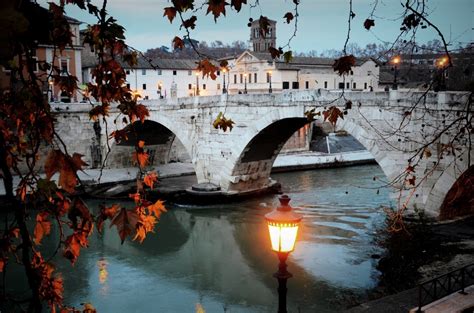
x=307, y=84
x=127, y=72
x=295, y=85
x=348, y=85
x=218, y=86
x=204, y=86
x=286, y=85
x=341, y=85
x=190, y=86
x=128, y=86
x=255, y=77
x=241, y=78
x=144, y=86
x=190, y=72
x=159, y=72
x=354, y=86
x=325, y=84
x=64, y=67
x=369, y=73
x=174, y=73
x=365, y=85
x=250, y=78
x=143, y=71
x=352, y=72
x=218, y=73
x=235, y=78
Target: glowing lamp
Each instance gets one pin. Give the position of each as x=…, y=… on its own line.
x=283, y=225
x=396, y=60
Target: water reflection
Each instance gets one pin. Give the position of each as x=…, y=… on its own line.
x=218, y=258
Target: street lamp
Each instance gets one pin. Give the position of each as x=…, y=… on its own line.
x=245, y=83
x=160, y=89
x=51, y=90
x=223, y=77
x=283, y=225
x=197, y=83
x=395, y=62
x=270, y=81
x=442, y=64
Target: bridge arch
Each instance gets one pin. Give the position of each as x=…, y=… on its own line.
x=159, y=140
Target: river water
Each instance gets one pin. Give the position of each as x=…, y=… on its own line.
x=217, y=257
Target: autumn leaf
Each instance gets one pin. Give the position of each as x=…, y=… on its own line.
x=332, y=115
x=120, y=135
x=344, y=64
x=223, y=123
x=190, y=22
x=207, y=69
x=52, y=164
x=311, y=114
x=287, y=56
x=411, y=180
x=289, y=17
x=145, y=224
x=140, y=158
x=2, y=264
x=216, y=7
x=178, y=43
x=150, y=179
x=157, y=208
x=105, y=213
x=125, y=222
x=368, y=23
x=237, y=4
x=170, y=13
x=427, y=153
x=135, y=196
x=275, y=53
x=98, y=111
x=263, y=23
x=42, y=227
x=72, y=248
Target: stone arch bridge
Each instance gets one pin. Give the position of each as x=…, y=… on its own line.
x=240, y=161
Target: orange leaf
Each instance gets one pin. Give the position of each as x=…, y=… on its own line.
x=42, y=227
x=332, y=115
x=344, y=64
x=106, y=212
x=150, y=179
x=170, y=13
x=216, y=7
x=207, y=69
x=2, y=264
x=157, y=208
x=178, y=43
x=140, y=158
x=125, y=222
x=73, y=245
x=52, y=164
x=141, y=144
x=145, y=224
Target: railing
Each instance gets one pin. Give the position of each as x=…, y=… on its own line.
x=444, y=285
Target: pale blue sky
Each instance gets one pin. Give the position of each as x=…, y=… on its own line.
x=322, y=23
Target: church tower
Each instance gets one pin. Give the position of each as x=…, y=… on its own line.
x=260, y=43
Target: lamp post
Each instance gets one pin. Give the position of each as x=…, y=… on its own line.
x=395, y=62
x=50, y=90
x=160, y=89
x=245, y=83
x=283, y=225
x=197, y=84
x=270, y=81
x=223, y=77
x=442, y=64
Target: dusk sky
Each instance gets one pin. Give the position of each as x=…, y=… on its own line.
x=322, y=23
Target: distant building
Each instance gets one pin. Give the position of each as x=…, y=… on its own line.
x=154, y=79
x=67, y=61
x=255, y=72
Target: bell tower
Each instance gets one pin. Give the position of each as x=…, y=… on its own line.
x=261, y=43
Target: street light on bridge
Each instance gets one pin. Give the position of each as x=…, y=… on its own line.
x=245, y=83
x=442, y=64
x=224, y=90
x=269, y=73
x=396, y=60
x=283, y=225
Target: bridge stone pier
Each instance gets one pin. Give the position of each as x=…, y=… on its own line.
x=240, y=161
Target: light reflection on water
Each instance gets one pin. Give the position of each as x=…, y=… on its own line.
x=218, y=256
